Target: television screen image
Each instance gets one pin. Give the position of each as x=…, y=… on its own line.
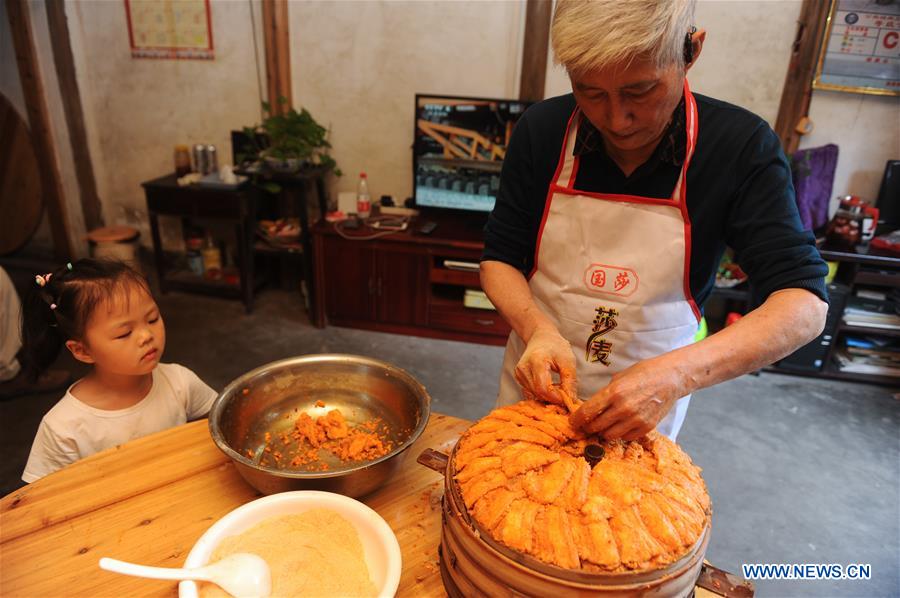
x=459, y=148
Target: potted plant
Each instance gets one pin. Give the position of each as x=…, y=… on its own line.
x=289, y=142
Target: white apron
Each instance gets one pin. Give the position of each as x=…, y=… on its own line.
x=612, y=273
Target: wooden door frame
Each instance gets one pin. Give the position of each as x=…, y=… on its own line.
x=538, y=14
x=276, y=33
x=796, y=94
x=39, y=123
x=74, y=112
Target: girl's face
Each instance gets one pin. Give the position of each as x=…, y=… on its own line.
x=125, y=335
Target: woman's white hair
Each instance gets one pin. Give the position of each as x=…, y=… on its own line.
x=595, y=34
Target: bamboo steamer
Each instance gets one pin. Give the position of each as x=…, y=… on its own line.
x=474, y=564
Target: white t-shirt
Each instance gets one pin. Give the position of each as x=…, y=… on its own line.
x=73, y=430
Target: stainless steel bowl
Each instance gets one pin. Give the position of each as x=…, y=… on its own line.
x=271, y=397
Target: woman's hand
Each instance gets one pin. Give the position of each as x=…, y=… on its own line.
x=545, y=353
x=634, y=401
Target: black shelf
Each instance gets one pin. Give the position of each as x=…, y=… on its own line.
x=828, y=372
x=868, y=330
x=863, y=257
x=262, y=247
x=880, y=278
x=183, y=280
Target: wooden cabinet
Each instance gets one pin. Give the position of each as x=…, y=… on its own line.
x=235, y=206
x=349, y=278
x=400, y=283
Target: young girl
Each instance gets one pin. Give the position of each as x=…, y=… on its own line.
x=102, y=311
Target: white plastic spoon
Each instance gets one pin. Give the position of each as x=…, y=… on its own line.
x=242, y=575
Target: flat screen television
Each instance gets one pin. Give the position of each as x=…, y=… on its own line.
x=458, y=150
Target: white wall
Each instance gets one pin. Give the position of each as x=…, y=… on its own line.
x=356, y=66
x=744, y=61
x=137, y=110
x=867, y=130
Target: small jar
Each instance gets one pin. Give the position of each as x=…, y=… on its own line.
x=182, y=160
x=845, y=228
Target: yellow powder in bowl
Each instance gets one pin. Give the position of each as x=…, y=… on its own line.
x=316, y=553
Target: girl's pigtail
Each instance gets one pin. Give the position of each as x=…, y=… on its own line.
x=42, y=338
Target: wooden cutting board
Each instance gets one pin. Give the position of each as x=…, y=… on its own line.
x=21, y=199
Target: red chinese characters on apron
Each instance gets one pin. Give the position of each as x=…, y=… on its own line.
x=611, y=272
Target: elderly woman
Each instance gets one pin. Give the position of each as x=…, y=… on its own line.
x=616, y=203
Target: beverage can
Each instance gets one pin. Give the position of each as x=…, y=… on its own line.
x=212, y=162
x=198, y=153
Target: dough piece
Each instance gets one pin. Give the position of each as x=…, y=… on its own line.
x=523, y=477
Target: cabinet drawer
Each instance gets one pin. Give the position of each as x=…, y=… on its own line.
x=461, y=319
x=198, y=203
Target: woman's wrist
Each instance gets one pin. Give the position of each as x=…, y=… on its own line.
x=686, y=369
x=539, y=325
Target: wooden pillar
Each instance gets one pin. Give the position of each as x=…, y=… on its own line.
x=534, y=49
x=71, y=99
x=39, y=123
x=278, y=54
x=797, y=91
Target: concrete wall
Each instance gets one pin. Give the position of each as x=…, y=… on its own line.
x=137, y=110
x=867, y=129
x=358, y=65
x=744, y=61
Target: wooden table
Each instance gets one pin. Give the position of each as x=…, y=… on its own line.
x=149, y=500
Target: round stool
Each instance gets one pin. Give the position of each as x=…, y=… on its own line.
x=115, y=243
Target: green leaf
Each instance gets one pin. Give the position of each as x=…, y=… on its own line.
x=270, y=187
x=293, y=135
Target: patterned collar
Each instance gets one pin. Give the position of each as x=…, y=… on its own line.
x=671, y=148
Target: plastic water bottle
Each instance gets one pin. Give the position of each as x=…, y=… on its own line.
x=363, y=199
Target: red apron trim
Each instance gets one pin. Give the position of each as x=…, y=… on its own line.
x=537, y=245
x=562, y=154
x=693, y=126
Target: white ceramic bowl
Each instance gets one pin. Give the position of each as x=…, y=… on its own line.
x=379, y=543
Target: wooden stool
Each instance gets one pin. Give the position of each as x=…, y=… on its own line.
x=115, y=243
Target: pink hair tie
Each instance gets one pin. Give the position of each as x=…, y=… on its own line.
x=43, y=280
